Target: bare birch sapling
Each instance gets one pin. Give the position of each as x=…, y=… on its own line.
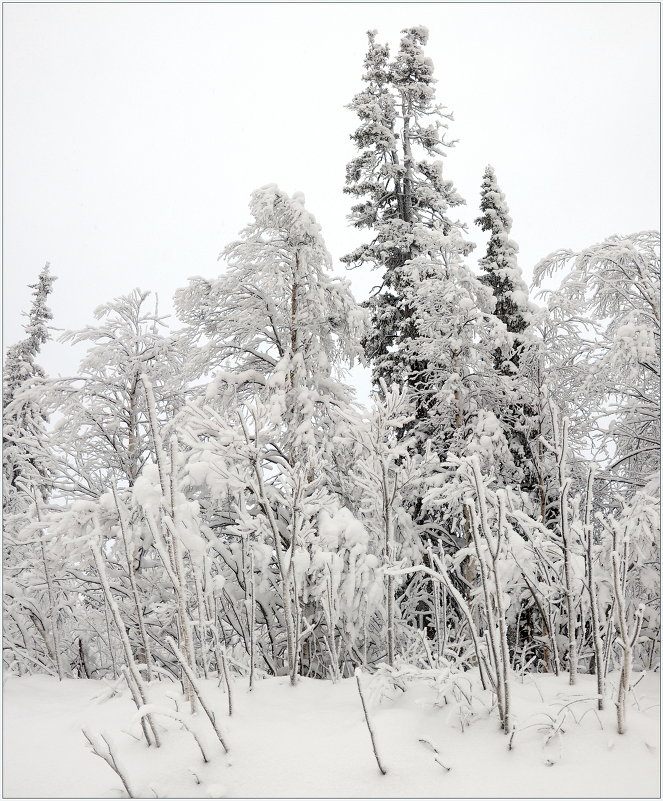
x=591, y=587
x=196, y=688
x=560, y=451
x=358, y=675
x=119, y=624
x=627, y=639
x=132, y=583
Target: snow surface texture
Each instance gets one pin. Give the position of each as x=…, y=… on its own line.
x=312, y=741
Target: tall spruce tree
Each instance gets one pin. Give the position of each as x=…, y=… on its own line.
x=399, y=180
x=23, y=417
x=432, y=327
x=514, y=362
x=501, y=271
x=31, y=602
x=433, y=330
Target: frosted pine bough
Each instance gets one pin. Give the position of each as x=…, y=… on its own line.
x=209, y=517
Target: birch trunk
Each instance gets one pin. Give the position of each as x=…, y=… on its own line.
x=561, y=447
x=134, y=587
x=389, y=549
x=593, y=602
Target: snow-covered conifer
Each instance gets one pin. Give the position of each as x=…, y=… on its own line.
x=23, y=463
x=31, y=601
x=517, y=361
x=501, y=271
x=399, y=177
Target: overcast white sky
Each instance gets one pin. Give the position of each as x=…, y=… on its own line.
x=134, y=133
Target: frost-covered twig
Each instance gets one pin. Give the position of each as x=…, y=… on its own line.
x=111, y=760
x=194, y=684
x=138, y=701
x=223, y=669
x=434, y=749
x=383, y=770
x=169, y=713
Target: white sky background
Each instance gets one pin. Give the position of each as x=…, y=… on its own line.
x=135, y=133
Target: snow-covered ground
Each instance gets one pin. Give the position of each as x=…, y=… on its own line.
x=311, y=741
